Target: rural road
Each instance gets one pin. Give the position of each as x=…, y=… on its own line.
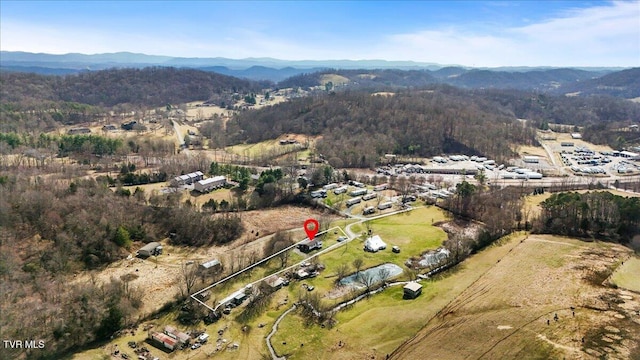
x=273, y=331
x=176, y=128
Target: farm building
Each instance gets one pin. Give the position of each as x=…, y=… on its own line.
x=374, y=244
x=531, y=159
x=182, y=338
x=412, y=290
x=163, y=340
x=210, y=267
x=151, y=249
x=209, y=184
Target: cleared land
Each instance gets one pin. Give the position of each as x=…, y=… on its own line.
x=627, y=276
x=509, y=312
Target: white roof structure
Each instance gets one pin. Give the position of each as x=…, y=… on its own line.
x=374, y=243
x=413, y=286
x=210, y=264
x=212, y=180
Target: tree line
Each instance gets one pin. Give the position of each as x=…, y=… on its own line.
x=600, y=215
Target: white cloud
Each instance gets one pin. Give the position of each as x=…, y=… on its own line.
x=606, y=35
x=598, y=36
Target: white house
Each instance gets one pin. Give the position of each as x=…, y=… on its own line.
x=374, y=244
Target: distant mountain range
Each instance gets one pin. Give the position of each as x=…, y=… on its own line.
x=250, y=68
x=618, y=82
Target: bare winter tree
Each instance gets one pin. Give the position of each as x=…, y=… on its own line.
x=383, y=274
x=357, y=264
x=188, y=278
x=367, y=279
x=341, y=271
x=279, y=241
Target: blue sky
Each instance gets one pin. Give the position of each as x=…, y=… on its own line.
x=471, y=33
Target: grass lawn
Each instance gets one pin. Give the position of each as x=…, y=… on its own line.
x=627, y=276
x=378, y=325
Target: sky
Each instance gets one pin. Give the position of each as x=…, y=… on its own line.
x=469, y=33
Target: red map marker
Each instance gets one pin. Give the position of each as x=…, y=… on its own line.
x=311, y=227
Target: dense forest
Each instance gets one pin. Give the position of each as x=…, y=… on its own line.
x=357, y=128
x=152, y=86
x=599, y=215
x=51, y=229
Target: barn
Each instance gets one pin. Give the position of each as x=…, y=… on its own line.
x=151, y=249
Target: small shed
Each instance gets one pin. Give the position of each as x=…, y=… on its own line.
x=412, y=290
x=151, y=249
x=210, y=267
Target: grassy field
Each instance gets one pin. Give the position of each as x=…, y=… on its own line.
x=493, y=305
x=504, y=313
x=627, y=276
x=376, y=326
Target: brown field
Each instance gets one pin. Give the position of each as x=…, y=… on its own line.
x=334, y=78
x=504, y=313
x=532, y=150
x=159, y=278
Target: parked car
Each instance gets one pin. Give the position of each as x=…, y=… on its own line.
x=342, y=238
x=395, y=249
x=195, y=346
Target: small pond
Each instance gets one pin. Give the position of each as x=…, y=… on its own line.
x=376, y=272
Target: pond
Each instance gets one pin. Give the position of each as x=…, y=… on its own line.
x=376, y=273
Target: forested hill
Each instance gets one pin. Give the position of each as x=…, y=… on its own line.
x=625, y=83
x=358, y=127
x=153, y=86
